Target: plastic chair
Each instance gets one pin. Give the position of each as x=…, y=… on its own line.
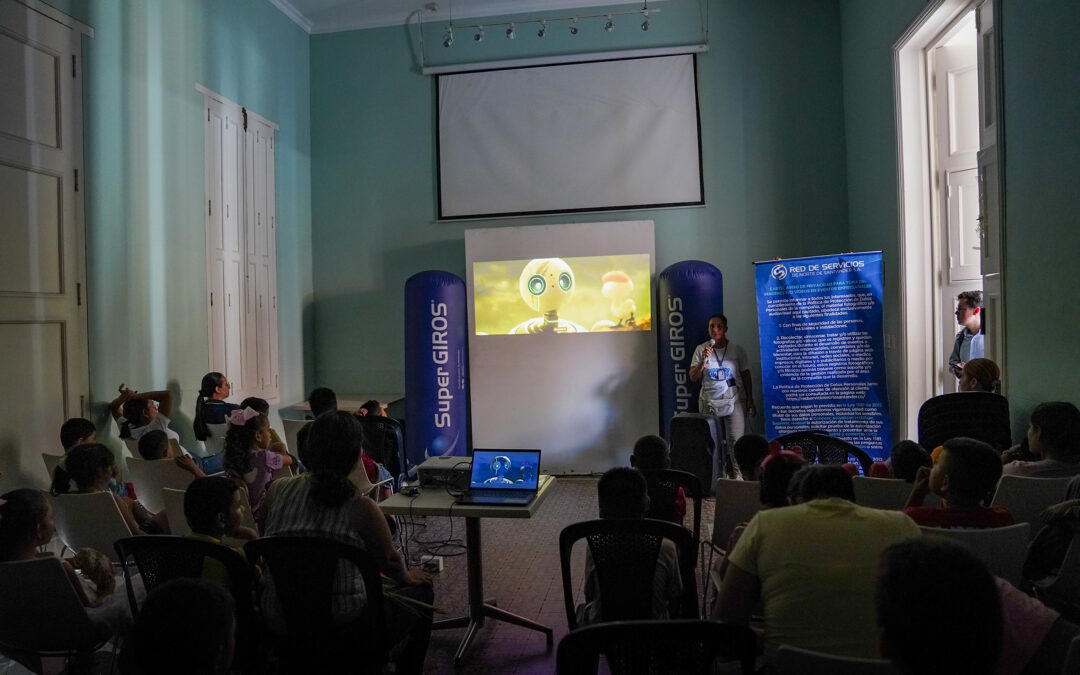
x=1072, y=659
x=881, y=493
x=42, y=614
x=215, y=440
x=162, y=558
x=736, y=502
x=1026, y=498
x=1003, y=549
x=90, y=521
x=796, y=661
x=697, y=446
x=384, y=439
x=174, y=510
x=359, y=478
x=663, y=486
x=821, y=448
x=292, y=426
x=1063, y=589
x=981, y=415
x=303, y=571
x=624, y=554
x=150, y=476
x=646, y=647
x=51, y=462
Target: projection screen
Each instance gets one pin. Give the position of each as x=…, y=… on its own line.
x=562, y=355
x=574, y=137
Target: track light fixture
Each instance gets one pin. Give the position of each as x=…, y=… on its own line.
x=448, y=37
x=573, y=26
x=609, y=25
x=542, y=31
x=645, y=23
x=510, y=33
x=479, y=37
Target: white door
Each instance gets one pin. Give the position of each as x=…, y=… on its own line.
x=43, y=353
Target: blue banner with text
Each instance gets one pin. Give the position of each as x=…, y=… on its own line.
x=820, y=326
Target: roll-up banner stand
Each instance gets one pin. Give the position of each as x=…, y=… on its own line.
x=436, y=366
x=687, y=294
x=820, y=325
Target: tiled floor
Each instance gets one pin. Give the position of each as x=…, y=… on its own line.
x=521, y=572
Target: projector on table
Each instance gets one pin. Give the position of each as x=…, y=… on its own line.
x=451, y=472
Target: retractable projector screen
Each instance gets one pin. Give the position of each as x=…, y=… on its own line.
x=562, y=354
x=574, y=137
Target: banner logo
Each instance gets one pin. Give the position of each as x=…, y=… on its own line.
x=779, y=272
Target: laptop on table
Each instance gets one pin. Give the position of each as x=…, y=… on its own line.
x=503, y=477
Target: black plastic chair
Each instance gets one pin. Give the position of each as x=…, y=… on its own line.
x=820, y=448
x=303, y=571
x=664, y=485
x=384, y=439
x=624, y=554
x=981, y=415
x=651, y=647
x=162, y=558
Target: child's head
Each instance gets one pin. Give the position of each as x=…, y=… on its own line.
x=374, y=408
x=26, y=521
x=90, y=465
x=213, y=506
x=322, y=400
x=650, y=452
x=775, y=475
x=154, y=445
x=966, y=472
x=622, y=493
x=75, y=431
x=247, y=432
x=259, y=405
x=139, y=411
x=819, y=481
x=1055, y=431
x=749, y=451
x=907, y=457
x=981, y=375
x=930, y=577
x=203, y=612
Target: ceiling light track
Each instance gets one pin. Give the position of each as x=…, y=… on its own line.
x=573, y=26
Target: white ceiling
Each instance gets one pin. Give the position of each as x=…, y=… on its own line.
x=331, y=16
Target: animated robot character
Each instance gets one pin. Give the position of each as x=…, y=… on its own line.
x=546, y=284
x=499, y=466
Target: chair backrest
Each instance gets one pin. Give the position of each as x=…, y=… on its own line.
x=150, y=476
x=820, y=448
x=292, y=426
x=384, y=439
x=1065, y=585
x=981, y=415
x=174, y=510
x=881, y=493
x=1002, y=548
x=1026, y=498
x=303, y=571
x=42, y=612
x=51, y=462
x=736, y=502
x=1072, y=658
x=215, y=440
x=663, y=486
x=796, y=661
x=90, y=521
x=695, y=440
x=624, y=554
x=646, y=647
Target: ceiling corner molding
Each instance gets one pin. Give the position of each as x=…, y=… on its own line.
x=294, y=14
x=57, y=16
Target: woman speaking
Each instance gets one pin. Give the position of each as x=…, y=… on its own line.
x=724, y=372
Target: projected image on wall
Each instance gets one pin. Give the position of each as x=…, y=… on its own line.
x=563, y=295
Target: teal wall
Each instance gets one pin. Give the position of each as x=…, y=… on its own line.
x=1042, y=202
x=772, y=132
x=145, y=229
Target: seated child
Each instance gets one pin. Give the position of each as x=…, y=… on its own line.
x=260, y=405
x=651, y=452
x=749, y=451
x=622, y=493
x=904, y=461
x=246, y=456
x=214, y=508
x=964, y=477
x=91, y=466
x=77, y=431
x=155, y=445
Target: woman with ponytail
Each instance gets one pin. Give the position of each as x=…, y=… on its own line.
x=211, y=411
x=324, y=502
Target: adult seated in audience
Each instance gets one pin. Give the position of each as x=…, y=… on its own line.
x=138, y=414
x=1054, y=435
x=155, y=445
x=938, y=609
x=980, y=375
x=964, y=477
x=622, y=493
x=372, y=408
x=651, y=452
x=212, y=408
x=324, y=502
x=904, y=461
x=185, y=627
x=817, y=558
x=91, y=466
x=321, y=400
x=749, y=452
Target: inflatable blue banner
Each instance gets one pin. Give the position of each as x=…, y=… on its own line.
x=687, y=294
x=822, y=348
x=436, y=366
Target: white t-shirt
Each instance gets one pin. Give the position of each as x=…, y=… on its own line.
x=721, y=378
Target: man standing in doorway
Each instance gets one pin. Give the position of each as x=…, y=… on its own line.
x=969, y=341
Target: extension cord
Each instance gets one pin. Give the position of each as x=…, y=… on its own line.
x=431, y=563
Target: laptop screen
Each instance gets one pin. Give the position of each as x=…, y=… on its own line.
x=505, y=469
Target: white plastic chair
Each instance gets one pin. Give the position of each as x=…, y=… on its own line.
x=1003, y=549
x=149, y=476
x=51, y=462
x=90, y=521
x=360, y=479
x=881, y=493
x=291, y=428
x=174, y=511
x=1026, y=498
x=796, y=661
x=215, y=442
x=736, y=502
x=1064, y=587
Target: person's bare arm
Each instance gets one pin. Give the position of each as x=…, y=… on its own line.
x=74, y=578
x=188, y=464
x=378, y=542
x=920, y=488
x=127, y=510
x=739, y=593
x=697, y=371
x=116, y=406
x=164, y=400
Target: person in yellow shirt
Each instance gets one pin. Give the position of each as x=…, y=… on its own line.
x=214, y=508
